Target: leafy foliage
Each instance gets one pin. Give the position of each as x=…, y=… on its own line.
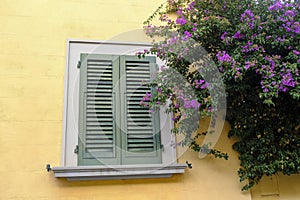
x=254, y=47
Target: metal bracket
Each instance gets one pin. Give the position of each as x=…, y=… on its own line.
x=76, y=150
x=189, y=165
x=48, y=167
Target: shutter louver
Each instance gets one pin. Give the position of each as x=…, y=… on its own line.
x=140, y=136
x=98, y=136
x=99, y=113
x=142, y=131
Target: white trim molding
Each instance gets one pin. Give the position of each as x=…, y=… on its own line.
x=118, y=172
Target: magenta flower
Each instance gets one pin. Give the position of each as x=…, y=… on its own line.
x=191, y=104
x=199, y=83
x=223, y=35
x=223, y=56
x=247, y=14
x=181, y=20
x=194, y=27
x=187, y=35
x=238, y=35
x=289, y=13
x=266, y=90
x=288, y=80
x=276, y=6
x=147, y=97
x=296, y=52
x=248, y=65
x=190, y=6
x=206, y=85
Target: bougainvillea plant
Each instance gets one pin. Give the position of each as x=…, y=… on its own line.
x=255, y=48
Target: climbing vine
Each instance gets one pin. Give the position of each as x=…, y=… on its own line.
x=254, y=47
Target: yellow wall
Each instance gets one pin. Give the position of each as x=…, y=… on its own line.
x=33, y=37
x=278, y=187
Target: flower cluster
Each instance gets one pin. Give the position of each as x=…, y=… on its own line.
x=248, y=17
x=238, y=35
x=270, y=52
x=145, y=99
x=255, y=45
x=223, y=56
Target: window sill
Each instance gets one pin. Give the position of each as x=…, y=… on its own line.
x=117, y=172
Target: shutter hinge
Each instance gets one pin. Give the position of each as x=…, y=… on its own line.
x=79, y=64
x=48, y=167
x=76, y=150
x=162, y=147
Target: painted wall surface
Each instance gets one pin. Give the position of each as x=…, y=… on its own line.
x=33, y=37
x=278, y=187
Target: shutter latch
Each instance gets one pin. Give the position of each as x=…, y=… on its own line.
x=76, y=150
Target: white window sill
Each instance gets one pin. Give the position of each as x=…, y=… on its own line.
x=118, y=172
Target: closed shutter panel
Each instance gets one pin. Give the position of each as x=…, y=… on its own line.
x=97, y=131
x=141, y=140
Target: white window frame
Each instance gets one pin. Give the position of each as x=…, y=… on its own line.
x=69, y=168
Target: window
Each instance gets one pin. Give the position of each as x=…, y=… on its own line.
x=106, y=133
x=113, y=127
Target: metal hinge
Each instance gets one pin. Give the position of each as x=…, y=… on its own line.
x=76, y=150
x=48, y=167
x=162, y=147
x=79, y=64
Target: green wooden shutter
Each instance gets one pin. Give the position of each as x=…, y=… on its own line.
x=113, y=127
x=98, y=134
x=140, y=128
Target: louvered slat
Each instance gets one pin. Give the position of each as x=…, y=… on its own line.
x=99, y=113
x=140, y=137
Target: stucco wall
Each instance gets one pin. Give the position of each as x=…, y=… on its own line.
x=277, y=187
x=32, y=63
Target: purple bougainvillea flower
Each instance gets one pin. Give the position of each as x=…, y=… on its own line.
x=296, y=52
x=198, y=83
x=223, y=35
x=223, y=56
x=187, y=35
x=191, y=6
x=276, y=6
x=246, y=14
x=147, y=97
x=289, y=13
x=181, y=20
x=206, y=85
x=238, y=35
